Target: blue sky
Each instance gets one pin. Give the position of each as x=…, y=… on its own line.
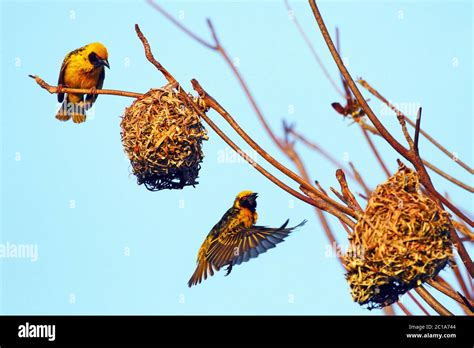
x=109, y=246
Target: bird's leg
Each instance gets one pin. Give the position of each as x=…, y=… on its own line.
x=228, y=269
x=87, y=105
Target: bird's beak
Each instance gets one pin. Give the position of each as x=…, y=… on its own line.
x=253, y=196
x=106, y=63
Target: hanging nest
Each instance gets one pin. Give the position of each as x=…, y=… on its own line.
x=162, y=136
x=401, y=241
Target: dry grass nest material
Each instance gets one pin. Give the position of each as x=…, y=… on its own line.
x=401, y=241
x=162, y=136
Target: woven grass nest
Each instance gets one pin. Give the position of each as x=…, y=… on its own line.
x=162, y=136
x=401, y=241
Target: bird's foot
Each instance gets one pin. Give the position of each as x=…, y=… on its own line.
x=59, y=89
x=228, y=270
x=93, y=90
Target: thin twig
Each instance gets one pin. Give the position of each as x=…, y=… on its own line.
x=338, y=195
x=453, y=295
x=417, y=129
x=430, y=300
x=179, y=25
x=346, y=228
x=312, y=145
x=295, y=157
x=460, y=279
x=346, y=192
x=404, y=309
x=311, y=48
x=448, y=177
x=423, y=309
x=374, y=92
x=152, y=60
x=464, y=230
x=321, y=216
x=59, y=89
x=435, y=169
x=343, y=217
x=375, y=151
x=388, y=310
x=360, y=180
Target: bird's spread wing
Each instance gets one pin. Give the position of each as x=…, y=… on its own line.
x=91, y=98
x=240, y=244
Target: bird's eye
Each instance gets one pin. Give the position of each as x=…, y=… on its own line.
x=93, y=58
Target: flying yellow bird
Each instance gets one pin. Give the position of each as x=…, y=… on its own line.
x=236, y=239
x=81, y=68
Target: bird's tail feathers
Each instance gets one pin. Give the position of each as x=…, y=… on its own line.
x=284, y=224
x=68, y=110
x=202, y=270
x=62, y=114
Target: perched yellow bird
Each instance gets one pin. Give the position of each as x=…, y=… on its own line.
x=236, y=239
x=81, y=68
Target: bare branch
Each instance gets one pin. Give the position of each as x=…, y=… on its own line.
x=360, y=180
x=435, y=169
x=430, y=300
x=423, y=309
x=417, y=129
x=346, y=192
x=312, y=49
x=60, y=89
x=374, y=92
x=180, y=26
x=465, y=303
x=404, y=309
x=376, y=152
x=152, y=60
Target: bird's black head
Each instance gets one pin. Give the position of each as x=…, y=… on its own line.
x=96, y=61
x=248, y=200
